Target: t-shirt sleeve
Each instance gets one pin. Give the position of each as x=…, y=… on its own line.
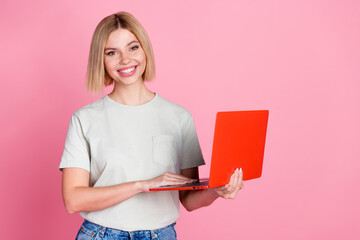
x=191, y=151
x=76, y=151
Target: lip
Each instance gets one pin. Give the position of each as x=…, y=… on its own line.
x=129, y=73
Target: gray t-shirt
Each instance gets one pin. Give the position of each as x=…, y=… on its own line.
x=117, y=143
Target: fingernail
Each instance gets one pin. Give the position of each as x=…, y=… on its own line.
x=241, y=170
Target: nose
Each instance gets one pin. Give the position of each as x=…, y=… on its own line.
x=124, y=59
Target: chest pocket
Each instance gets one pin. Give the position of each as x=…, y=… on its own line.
x=164, y=150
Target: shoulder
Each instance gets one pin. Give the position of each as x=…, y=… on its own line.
x=169, y=106
x=91, y=110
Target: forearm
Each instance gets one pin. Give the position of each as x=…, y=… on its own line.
x=194, y=199
x=79, y=197
x=86, y=199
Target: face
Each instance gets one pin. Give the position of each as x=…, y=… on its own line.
x=125, y=60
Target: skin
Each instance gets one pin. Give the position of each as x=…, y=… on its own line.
x=123, y=50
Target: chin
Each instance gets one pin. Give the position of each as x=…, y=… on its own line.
x=128, y=82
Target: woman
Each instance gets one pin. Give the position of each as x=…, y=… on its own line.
x=129, y=141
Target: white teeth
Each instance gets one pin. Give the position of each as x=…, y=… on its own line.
x=128, y=70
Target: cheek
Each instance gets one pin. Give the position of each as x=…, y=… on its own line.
x=142, y=57
x=142, y=60
x=106, y=64
x=109, y=65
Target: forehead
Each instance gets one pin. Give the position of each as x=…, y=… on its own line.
x=120, y=37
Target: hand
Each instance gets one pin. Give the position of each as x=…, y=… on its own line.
x=230, y=190
x=167, y=178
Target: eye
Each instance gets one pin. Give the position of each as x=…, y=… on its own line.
x=134, y=47
x=111, y=53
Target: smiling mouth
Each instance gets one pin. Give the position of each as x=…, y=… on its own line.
x=127, y=70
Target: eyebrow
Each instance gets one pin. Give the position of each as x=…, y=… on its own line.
x=126, y=45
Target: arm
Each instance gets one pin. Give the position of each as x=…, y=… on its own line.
x=79, y=197
x=192, y=199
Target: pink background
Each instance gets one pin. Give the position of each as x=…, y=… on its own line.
x=299, y=59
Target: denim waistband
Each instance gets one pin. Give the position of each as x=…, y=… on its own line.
x=94, y=229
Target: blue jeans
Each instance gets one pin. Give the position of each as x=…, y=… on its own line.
x=93, y=231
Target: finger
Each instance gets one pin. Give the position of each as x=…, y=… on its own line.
x=173, y=176
x=236, y=185
x=241, y=174
x=232, y=183
x=222, y=194
x=174, y=179
x=233, y=194
x=239, y=180
x=183, y=178
x=236, y=181
x=171, y=182
x=177, y=180
x=225, y=191
x=239, y=186
x=220, y=190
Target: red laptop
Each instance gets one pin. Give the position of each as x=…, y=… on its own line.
x=239, y=142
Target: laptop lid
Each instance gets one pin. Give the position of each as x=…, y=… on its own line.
x=239, y=142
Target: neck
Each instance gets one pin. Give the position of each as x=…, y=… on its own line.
x=132, y=95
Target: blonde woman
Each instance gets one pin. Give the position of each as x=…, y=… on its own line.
x=129, y=141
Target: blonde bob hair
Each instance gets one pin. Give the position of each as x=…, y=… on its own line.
x=96, y=76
